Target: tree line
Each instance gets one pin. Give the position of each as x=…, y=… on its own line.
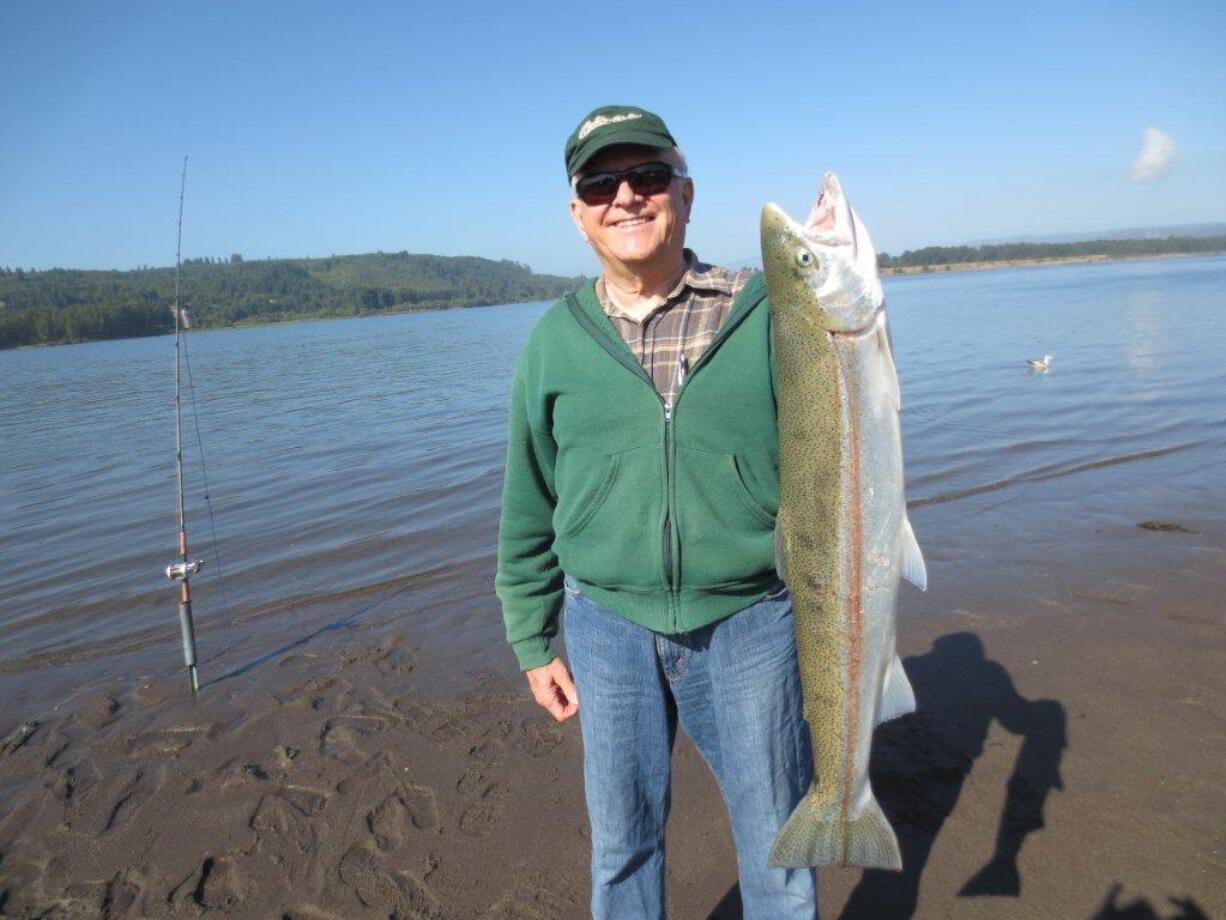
x=69, y=305
x=1004, y=252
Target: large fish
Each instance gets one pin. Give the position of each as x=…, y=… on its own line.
x=842, y=537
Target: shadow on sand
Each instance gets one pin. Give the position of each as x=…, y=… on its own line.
x=1140, y=909
x=920, y=761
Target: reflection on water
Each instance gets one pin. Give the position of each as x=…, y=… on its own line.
x=347, y=453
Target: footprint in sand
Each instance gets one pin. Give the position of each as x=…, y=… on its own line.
x=479, y=818
x=340, y=742
x=217, y=885
x=413, y=807
x=233, y=772
x=538, y=740
x=310, y=913
x=536, y=897
x=18, y=738
x=486, y=754
x=107, y=899
x=389, y=822
x=55, y=745
x=398, y=661
x=287, y=834
x=398, y=894
x=129, y=799
x=319, y=693
x=472, y=779
x=165, y=741
x=100, y=711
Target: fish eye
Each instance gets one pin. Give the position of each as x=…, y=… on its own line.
x=804, y=258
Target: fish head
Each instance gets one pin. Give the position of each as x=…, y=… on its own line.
x=825, y=267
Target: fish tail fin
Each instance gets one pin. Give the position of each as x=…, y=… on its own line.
x=814, y=837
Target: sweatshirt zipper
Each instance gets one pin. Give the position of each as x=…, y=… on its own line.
x=667, y=537
x=626, y=359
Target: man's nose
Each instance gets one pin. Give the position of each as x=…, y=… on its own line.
x=625, y=194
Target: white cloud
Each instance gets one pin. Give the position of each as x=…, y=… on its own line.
x=1156, y=157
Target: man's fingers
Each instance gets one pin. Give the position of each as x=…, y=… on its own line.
x=569, y=693
x=554, y=690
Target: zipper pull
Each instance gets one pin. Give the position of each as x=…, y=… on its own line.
x=668, y=412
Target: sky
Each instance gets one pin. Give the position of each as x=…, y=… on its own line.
x=318, y=128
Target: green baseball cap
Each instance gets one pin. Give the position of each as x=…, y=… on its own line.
x=614, y=124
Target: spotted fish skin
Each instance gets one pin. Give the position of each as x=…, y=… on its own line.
x=842, y=536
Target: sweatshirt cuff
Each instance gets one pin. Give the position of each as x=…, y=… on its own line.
x=533, y=652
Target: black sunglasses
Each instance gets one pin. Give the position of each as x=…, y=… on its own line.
x=644, y=179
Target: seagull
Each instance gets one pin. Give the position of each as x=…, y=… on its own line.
x=1039, y=364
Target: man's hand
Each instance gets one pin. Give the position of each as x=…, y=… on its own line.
x=553, y=688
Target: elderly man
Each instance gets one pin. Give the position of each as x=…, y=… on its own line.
x=640, y=495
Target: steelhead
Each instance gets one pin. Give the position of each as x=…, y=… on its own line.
x=842, y=536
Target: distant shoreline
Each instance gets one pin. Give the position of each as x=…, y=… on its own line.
x=930, y=269
x=942, y=268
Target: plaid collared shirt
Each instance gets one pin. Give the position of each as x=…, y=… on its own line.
x=672, y=337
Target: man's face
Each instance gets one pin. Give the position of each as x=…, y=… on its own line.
x=635, y=230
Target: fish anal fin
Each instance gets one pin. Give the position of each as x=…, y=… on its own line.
x=897, y=697
x=913, y=567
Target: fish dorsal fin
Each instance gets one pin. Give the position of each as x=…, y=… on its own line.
x=913, y=567
x=890, y=372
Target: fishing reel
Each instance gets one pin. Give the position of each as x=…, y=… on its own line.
x=184, y=570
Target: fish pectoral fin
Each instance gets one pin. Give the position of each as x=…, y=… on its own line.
x=913, y=567
x=889, y=371
x=897, y=697
x=781, y=550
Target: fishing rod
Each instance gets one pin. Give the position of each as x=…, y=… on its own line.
x=184, y=569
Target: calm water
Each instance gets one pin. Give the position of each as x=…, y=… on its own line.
x=346, y=454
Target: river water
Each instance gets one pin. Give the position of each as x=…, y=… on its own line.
x=349, y=457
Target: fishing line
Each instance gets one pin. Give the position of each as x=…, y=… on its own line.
x=249, y=197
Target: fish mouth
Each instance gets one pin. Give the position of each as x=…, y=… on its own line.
x=829, y=219
x=844, y=278
x=860, y=331
x=829, y=224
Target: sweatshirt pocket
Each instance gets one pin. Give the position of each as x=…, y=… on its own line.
x=609, y=519
x=726, y=531
x=591, y=498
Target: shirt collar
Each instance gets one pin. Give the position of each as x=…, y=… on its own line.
x=698, y=275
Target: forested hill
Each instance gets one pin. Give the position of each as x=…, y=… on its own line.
x=67, y=305
x=1008, y=252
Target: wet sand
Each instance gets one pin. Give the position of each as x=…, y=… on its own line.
x=1065, y=761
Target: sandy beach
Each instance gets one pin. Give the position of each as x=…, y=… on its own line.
x=1065, y=760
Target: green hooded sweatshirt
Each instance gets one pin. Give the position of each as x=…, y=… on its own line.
x=662, y=514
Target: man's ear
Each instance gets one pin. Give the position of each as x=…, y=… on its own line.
x=576, y=207
x=687, y=198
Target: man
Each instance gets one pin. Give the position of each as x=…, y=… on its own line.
x=640, y=494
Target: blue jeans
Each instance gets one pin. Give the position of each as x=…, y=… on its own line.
x=736, y=688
